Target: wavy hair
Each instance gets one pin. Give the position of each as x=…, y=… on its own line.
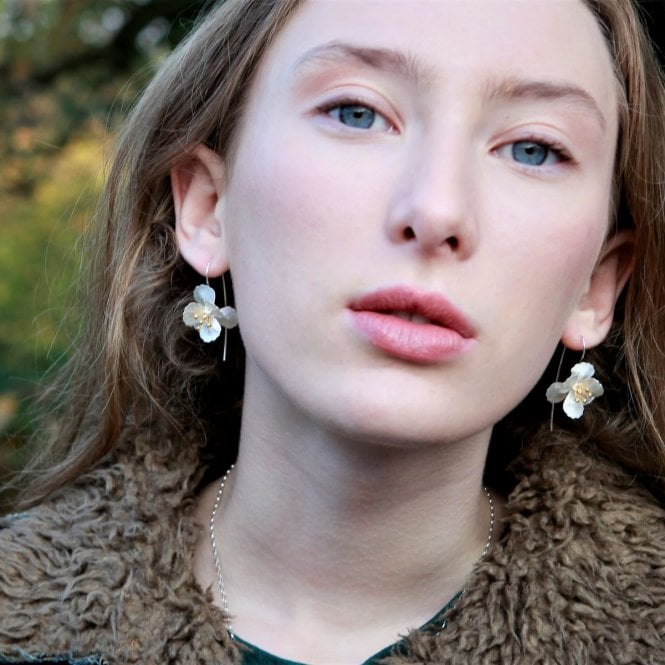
x=135, y=366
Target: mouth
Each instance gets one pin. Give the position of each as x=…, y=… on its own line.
x=414, y=306
x=412, y=325
x=414, y=317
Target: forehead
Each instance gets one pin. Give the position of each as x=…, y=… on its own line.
x=480, y=42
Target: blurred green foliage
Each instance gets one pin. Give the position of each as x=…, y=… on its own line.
x=69, y=72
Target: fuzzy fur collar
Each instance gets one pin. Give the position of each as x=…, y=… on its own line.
x=104, y=568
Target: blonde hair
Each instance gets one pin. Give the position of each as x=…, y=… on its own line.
x=137, y=367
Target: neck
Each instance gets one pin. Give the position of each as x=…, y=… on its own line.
x=319, y=528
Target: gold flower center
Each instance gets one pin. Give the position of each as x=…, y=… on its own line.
x=203, y=319
x=582, y=392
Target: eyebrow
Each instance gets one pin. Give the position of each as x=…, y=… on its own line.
x=388, y=60
x=518, y=89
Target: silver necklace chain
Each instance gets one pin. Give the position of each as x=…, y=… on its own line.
x=215, y=550
x=218, y=565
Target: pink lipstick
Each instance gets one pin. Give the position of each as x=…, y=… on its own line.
x=413, y=325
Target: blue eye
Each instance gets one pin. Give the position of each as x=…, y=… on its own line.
x=354, y=115
x=529, y=152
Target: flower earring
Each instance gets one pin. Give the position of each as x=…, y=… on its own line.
x=206, y=317
x=577, y=391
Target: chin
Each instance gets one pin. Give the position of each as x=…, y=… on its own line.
x=398, y=425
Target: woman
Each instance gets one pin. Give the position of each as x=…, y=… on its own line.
x=416, y=202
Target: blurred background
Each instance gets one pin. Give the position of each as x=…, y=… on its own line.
x=69, y=72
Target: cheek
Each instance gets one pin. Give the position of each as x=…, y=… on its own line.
x=557, y=231
x=545, y=248
x=267, y=214
x=282, y=238
x=280, y=190
x=293, y=201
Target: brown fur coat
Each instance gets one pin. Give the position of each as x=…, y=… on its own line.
x=104, y=568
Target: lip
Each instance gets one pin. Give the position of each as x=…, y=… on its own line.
x=445, y=334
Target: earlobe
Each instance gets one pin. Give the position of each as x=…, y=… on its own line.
x=593, y=316
x=197, y=184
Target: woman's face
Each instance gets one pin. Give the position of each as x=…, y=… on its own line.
x=418, y=195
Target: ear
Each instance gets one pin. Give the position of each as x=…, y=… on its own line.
x=594, y=313
x=198, y=185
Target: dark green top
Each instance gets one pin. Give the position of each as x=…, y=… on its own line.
x=255, y=656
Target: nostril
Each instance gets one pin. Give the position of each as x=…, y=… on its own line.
x=409, y=233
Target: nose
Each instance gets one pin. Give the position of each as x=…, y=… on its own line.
x=433, y=206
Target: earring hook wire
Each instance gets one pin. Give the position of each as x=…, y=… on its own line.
x=558, y=374
x=226, y=331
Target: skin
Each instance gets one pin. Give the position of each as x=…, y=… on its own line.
x=345, y=448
